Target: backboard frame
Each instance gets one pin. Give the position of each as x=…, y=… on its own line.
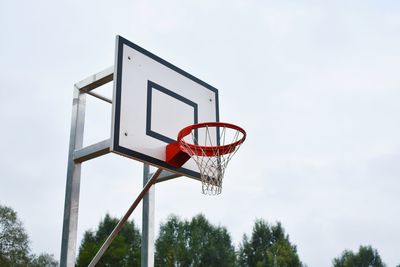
x=78, y=154
x=116, y=146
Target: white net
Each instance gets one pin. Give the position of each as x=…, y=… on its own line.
x=204, y=146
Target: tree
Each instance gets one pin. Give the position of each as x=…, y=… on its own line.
x=268, y=246
x=194, y=243
x=43, y=260
x=208, y=245
x=14, y=243
x=366, y=256
x=171, y=243
x=125, y=250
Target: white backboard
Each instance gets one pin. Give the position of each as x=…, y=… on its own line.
x=153, y=100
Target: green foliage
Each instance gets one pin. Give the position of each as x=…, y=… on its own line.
x=268, y=246
x=194, y=243
x=124, y=251
x=43, y=260
x=171, y=243
x=14, y=243
x=366, y=256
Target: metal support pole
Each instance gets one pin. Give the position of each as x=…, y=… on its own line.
x=71, y=206
x=148, y=222
x=124, y=219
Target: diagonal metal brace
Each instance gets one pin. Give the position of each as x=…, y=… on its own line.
x=124, y=219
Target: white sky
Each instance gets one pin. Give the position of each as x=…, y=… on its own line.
x=314, y=83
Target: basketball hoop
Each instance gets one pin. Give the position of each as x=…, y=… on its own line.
x=211, y=145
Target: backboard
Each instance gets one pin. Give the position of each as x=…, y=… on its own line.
x=153, y=100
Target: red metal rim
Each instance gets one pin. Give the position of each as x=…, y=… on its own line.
x=210, y=150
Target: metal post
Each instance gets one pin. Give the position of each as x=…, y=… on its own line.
x=124, y=219
x=71, y=206
x=148, y=222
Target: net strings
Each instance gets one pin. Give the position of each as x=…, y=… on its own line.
x=212, y=168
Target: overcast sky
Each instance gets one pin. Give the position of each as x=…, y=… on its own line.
x=314, y=83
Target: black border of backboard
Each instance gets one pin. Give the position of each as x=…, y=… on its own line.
x=120, y=42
